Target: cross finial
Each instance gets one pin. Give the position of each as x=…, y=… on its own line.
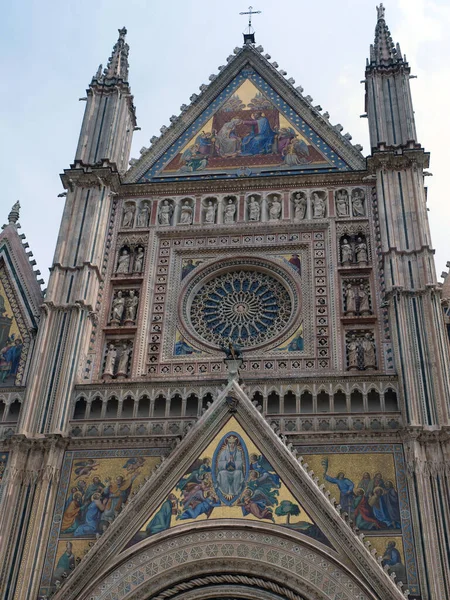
x=249, y=37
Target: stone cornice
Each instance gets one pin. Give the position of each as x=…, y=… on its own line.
x=398, y=158
x=103, y=174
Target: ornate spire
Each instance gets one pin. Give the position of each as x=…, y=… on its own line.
x=117, y=67
x=383, y=52
x=13, y=216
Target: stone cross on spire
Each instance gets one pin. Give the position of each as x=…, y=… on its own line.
x=117, y=67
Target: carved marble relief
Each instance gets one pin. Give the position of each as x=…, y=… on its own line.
x=354, y=250
x=360, y=350
x=117, y=359
x=357, y=300
x=124, y=307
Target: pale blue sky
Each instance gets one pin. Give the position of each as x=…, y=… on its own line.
x=51, y=49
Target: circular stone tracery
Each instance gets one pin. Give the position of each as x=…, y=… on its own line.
x=248, y=307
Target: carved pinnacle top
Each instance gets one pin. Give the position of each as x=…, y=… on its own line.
x=13, y=216
x=383, y=51
x=117, y=67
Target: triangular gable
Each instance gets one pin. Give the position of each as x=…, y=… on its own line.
x=109, y=560
x=255, y=124
x=231, y=479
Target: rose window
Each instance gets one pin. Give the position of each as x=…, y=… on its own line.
x=248, y=307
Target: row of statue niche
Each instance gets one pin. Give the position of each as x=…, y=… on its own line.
x=344, y=201
x=117, y=359
x=354, y=250
x=124, y=308
x=130, y=261
x=129, y=213
x=361, y=353
x=357, y=299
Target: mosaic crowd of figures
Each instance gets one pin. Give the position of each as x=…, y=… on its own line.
x=117, y=359
x=354, y=250
x=357, y=297
x=299, y=400
x=124, y=307
x=350, y=203
x=361, y=351
x=130, y=260
x=303, y=205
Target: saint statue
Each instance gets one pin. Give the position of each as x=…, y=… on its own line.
x=186, y=213
x=358, y=204
x=139, y=261
x=122, y=369
x=117, y=308
x=254, y=210
x=300, y=207
x=318, y=204
x=361, y=252
x=210, y=212
x=230, y=463
x=110, y=361
x=144, y=213
x=165, y=213
x=275, y=209
x=128, y=215
x=123, y=265
x=346, y=252
x=368, y=351
x=364, y=306
x=352, y=353
x=229, y=212
x=342, y=203
x=350, y=298
x=131, y=304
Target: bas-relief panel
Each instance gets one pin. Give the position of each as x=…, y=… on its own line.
x=11, y=342
x=231, y=479
x=93, y=490
x=369, y=481
x=247, y=130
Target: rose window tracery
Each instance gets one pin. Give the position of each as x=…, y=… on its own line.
x=248, y=307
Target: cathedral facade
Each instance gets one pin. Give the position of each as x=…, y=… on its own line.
x=236, y=385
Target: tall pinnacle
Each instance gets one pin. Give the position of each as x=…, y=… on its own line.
x=117, y=67
x=383, y=52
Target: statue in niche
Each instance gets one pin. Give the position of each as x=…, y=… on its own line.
x=300, y=207
x=350, y=300
x=254, y=210
x=361, y=252
x=358, y=204
x=128, y=215
x=131, y=305
x=122, y=368
x=353, y=353
x=139, y=260
x=342, y=203
x=229, y=212
x=186, y=213
x=143, y=216
x=123, y=264
x=319, y=206
x=118, y=306
x=346, y=252
x=364, y=306
x=368, y=352
x=110, y=361
x=210, y=212
x=275, y=209
x=165, y=213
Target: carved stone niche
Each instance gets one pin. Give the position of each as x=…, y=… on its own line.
x=319, y=204
x=117, y=359
x=209, y=210
x=359, y=203
x=165, y=211
x=128, y=214
x=143, y=216
x=229, y=209
x=341, y=199
x=187, y=211
x=354, y=250
x=253, y=208
x=274, y=207
x=300, y=206
x=124, y=307
x=357, y=297
x=360, y=350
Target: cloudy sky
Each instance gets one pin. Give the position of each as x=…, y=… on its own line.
x=54, y=47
